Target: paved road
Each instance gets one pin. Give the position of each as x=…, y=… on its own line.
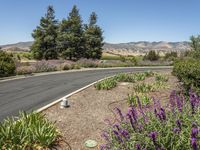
x=32, y=93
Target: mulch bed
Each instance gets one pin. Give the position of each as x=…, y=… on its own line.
x=85, y=118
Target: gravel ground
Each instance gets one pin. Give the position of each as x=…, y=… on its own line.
x=85, y=118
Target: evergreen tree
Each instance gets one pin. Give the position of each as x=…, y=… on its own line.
x=70, y=36
x=195, y=46
x=44, y=46
x=93, y=38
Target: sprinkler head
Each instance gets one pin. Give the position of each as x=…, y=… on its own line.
x=64, y=103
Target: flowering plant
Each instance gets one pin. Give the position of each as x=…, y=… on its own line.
x=175, y=127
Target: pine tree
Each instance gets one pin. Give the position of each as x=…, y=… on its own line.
x=93, y=38
x=70, y=36
x=44, y=46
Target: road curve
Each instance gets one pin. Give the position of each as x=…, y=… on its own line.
x=34, y=92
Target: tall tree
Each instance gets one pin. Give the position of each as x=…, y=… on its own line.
x=93, y=38
x=195, y=46
x=44, y=46
x=70, y=36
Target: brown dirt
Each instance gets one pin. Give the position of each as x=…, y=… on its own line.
x=85, y=118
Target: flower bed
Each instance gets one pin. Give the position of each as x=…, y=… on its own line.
x=173, y=128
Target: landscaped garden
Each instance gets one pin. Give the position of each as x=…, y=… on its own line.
x=144, y=110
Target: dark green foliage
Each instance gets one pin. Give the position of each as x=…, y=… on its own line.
x=70, y=38
x=44, y=46
x=188, y=71
x=151, y=55
x=7, y=65
x=93, y=38
x=171, y=55
x=195, y=45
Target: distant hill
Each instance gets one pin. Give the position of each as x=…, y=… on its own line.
x=21, y=46
x=142, y=47
x=122, y=48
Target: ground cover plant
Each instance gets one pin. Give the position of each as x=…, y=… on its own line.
x=31, y=131
x=175, y=127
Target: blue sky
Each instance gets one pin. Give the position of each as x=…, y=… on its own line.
x=121, y=20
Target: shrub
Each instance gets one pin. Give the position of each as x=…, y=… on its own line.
x=188, y=72
x=31, y=131
x=122, y=58
x=174, y=128
x=145, y=100
x=144, y=88
x=161, y=78
x=25, y=70
x=44, y=66
x=171, y=55
x=124, y=77
x=151, y=55
x=106, y=84
x=7, y=65
x=134, y=60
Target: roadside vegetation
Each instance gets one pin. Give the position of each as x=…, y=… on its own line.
x=171, y=126
x=176, y=128
x=30, y=131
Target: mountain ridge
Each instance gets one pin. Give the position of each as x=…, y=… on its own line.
x=129, y=47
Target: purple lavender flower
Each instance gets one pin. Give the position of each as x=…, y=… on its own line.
x=179, y=104
x=118, y=136
x=131, y=120
x=153, y=136
x=176, y=130
x=194, y=143
x=124, y=133
x=178, y=122
x=162, y=114
x=172, y=100
x=134, y=113
x=194, y=132
x=105, y=135
x=138, y=147
x=120, y=113
x=116, y=126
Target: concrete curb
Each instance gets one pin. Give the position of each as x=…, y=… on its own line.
x=75, y=70
x=67, y=96
x=79, y=90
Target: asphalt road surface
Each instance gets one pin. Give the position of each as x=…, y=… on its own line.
x=34, y=92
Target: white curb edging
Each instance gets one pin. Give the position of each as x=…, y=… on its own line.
x=67, y=96
x=77, y=91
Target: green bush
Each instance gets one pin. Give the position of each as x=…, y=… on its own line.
x=144, y=88
x=31, y=131
x=124, y=77
x=145, y=100
x=161, y=78
x=188, y=72
x=7, y=65
x=171, y=55
x=152, y=56
x=106, y=84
